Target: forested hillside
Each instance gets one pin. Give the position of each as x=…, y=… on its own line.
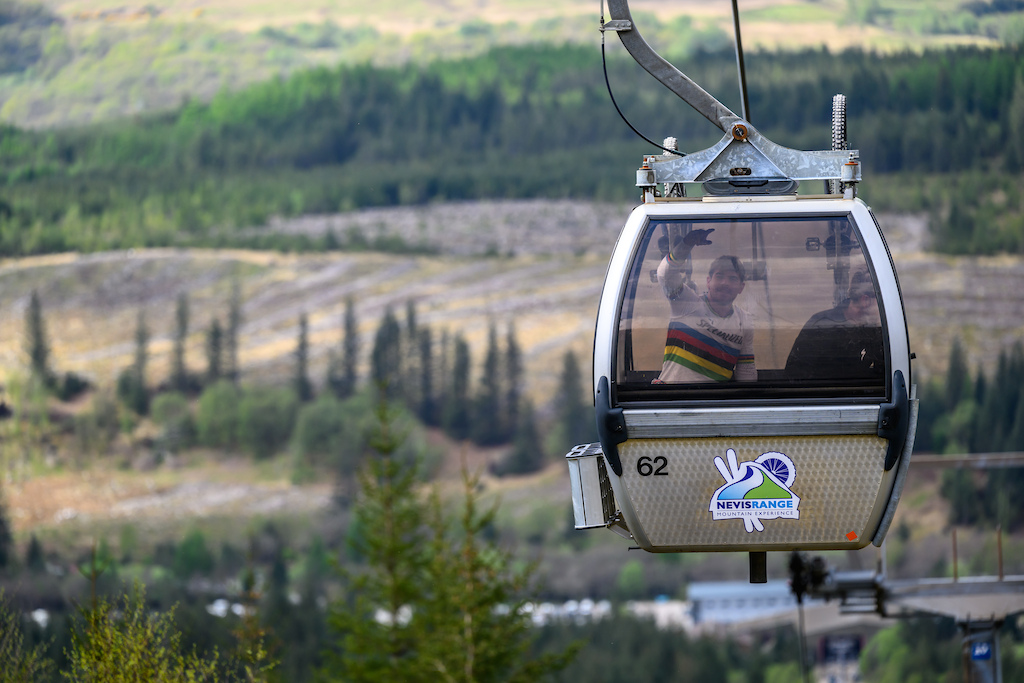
x=940, y=132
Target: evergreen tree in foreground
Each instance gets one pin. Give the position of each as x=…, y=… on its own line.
x=435, y=601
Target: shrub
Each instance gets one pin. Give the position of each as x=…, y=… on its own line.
x=266, y=417
x=217, y=415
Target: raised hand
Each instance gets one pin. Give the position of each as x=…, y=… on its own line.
x=695, y=238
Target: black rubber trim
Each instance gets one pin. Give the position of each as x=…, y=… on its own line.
x=611, y=425
x=894, y=420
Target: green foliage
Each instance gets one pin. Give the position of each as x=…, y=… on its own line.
x=19, y=663
x=179, y=369
x=528, y=453
x=320, y=431
x=217, y=415
x=630, y=585
x=130, y=643
x=6, y=537
x=214, y=351
x=963, y=415
x=341, y=372
x=923, y=650
x=502, y=124
x=170, y=410
x=489, y=426
x=303, y=387
x=97, y=427
x=192, y=556
x=575, y=418
x=37, y=345
x=621, y=649
x=426, y=607
x=266, y=417
x=373, y=648
x=131, y=382
x=456, y=417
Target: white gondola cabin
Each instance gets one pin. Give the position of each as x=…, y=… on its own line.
x=775, y=423
x=752, y=369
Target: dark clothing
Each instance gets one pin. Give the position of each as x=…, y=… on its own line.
x=832, y=347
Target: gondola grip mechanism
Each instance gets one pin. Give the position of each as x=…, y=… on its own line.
x=611, y=425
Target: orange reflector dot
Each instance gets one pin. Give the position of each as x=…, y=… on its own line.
x=851, y=536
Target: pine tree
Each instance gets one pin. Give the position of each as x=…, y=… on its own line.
x=374, y=648
x=409, y=350
x=436, y=602
x=958, y=376
x=37, y=345
x=303, y=387
x=179, y=371
x=214, y=352
x=457, y=406
x=231, y=370
x=513, y=382
x=527, y=454
x=576, y=422
x=427, y=410
x=34, y=558
x=474, y=627
x=386, y=359
x=342, y=371
x=131, y=383
x=488, y=416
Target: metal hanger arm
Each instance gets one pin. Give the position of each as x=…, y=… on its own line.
x=668, y=75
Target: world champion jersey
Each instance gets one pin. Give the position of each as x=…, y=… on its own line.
x=702, y=345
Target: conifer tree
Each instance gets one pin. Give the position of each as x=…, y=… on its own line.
x=427, y=409
x=373, y=648
x=37, y=345
x=527, y=454
x=131, y=383
x=457, y=407
x=214, y=352
x=513, y=382
x=179, y=370
x=34, y=559
x=488, y=418
x=303, y=387
x=231, y=369
x=386, y=359
x=436, y=602
x=958, y=376
x=576, y=423
x=342, y=371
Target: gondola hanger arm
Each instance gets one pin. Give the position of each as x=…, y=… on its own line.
x=668, y=75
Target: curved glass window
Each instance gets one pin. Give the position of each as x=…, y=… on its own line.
x=752, y=308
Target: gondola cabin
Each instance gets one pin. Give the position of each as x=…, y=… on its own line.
x=752, y=381
x=751, y=374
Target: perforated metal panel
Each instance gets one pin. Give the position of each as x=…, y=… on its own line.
x=834, y=499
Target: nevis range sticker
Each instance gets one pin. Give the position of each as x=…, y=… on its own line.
x=755, y=490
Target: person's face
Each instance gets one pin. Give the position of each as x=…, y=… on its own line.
x=863, y=309
x=724, y=285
